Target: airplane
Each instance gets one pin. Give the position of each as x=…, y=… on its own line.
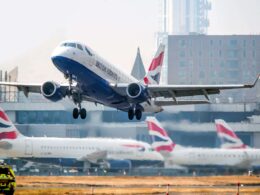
x=75, y=152
x=228, y=137
x=192, y=157
x=97, y=81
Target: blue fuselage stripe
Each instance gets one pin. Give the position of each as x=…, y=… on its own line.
x=92, y=84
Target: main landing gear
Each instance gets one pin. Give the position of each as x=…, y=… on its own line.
x=77, y=99
x=137, y=113
x=79, y=111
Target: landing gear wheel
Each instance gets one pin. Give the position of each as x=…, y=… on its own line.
x=83, y=113
x=131, y=114
x=75, y=113
x=138, y=114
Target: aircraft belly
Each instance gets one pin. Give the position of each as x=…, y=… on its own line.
x=93, y=85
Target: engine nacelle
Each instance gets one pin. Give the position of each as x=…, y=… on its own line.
x=119, y=164
x=137, y=92
x=52, y=91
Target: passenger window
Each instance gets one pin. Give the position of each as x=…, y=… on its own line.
x=79, y=47
x=89, y=53
x=71, y=45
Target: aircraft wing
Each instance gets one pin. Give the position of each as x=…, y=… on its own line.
x=174, y=91
x=179, y=102
x=94, y=157
x=27, y=88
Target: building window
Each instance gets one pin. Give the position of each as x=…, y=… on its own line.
x=253, y=43
x=182, y=43
x=232, y=63
x=182, y=64
x=202, y=74
x=232, y=53
x=181, y=73
x=182, y=53
x=233, y=42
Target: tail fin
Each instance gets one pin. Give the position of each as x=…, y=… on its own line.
x=228, y=138
x=161, y=141
x=7, y=128
x=154, y=72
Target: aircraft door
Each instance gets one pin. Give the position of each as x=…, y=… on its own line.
x=28, y=147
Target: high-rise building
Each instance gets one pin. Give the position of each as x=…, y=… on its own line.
x=183, y=17
x=215, y=59
x=188, y=16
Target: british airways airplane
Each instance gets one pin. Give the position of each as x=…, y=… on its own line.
x=192, y=157
x=93, y=79
x=75, y=152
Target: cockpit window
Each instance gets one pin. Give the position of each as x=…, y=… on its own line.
x=79, y=47
x=71, y=45
x=89, y=53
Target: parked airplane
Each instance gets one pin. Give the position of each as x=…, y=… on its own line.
x=228, y=138
x=98, y=81
x=199, y=157
x=81, y=152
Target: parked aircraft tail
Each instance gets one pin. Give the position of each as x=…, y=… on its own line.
x=154, y=72
x=161, y=141
x=7, y=128
x=228, y=138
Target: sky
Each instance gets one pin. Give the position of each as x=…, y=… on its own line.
x=31, y=29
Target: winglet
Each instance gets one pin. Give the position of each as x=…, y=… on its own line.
x=252, y=85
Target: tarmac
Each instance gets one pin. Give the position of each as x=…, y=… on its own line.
x=138, y=185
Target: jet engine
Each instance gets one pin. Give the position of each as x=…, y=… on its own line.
x=137, y=92
x=52, y=91
x=118, y=164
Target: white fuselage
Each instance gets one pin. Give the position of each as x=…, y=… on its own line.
x=242, y=158
x=94, y=71
x=78, y=149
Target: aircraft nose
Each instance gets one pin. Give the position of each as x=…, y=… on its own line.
x=58, y=51
x=59, y=56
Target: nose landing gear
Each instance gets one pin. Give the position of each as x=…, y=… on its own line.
x=77, y=99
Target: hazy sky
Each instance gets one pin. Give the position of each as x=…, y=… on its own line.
x=113, y=28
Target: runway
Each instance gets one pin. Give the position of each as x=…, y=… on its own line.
x=137, y=185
